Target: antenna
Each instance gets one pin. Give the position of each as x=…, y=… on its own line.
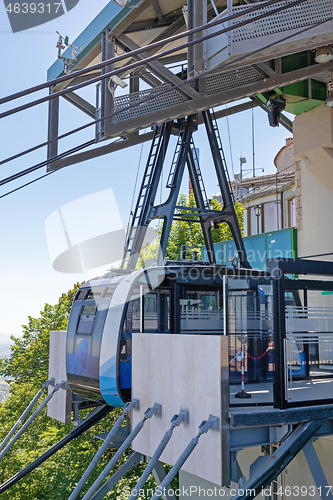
x=62, y=43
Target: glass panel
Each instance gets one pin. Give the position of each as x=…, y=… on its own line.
x=201, y=311
x=291, y=213
x=109, y=292
x=309, y=346
x=156, y=317
x=255, y=221
x=94, y=293
x=272, y=217
x=86, y=319
x=80, y=294
x=251, y=342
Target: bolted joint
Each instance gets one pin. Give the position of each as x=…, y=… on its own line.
x=155, y=410
x=182, y=416
x=47, y=383
x=211, y=423
x=128, y=407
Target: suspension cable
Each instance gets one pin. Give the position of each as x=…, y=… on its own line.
x=152, y=46
x=149, y=59
x=148, y=98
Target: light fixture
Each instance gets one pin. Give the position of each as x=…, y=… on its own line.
x=324, y=54
x=329, y=98
x=242, y=160
x=119, y=81
x=211, y=204
x=257, y=210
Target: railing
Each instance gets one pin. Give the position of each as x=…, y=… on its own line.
x=293, y=22
x=305, y=381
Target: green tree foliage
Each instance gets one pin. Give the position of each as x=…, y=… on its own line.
x=189, y=233
x=27, y=369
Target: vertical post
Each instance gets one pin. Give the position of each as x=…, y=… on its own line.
x=225, y=401
x=176, y=323
x=241, y=178
x=200, y=49
x=142, y=309
x=190, y=38
x=53, y=129
x=225, y=306
x=134, y=86
x=107, y=104
x=253, y=151
x=279, y=336
x=306, y=345
x=229, y=34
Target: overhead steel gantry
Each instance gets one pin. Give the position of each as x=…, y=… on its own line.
x=145, y=210
x=230, y=50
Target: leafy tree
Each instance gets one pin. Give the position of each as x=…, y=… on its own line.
x=189, y=233
x=27, y=369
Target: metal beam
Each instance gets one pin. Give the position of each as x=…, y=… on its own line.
x=278, y=267
x=167, y=209
x=157, y=67
x=159, y=474
x=53, y=129
x=128, y=142
x=133, y=460
x=81, y=104
x=107, y=86
x=317, y=472
x=158, y=11
x=133, y=140
x=199, y=200
x=263, y=69
x=228, y=212
x=209, y=101
x=279, y=460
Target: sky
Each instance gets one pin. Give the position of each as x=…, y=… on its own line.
x=28, y=279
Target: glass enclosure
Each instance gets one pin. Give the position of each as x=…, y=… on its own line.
x=308, y=346
x=251, y=341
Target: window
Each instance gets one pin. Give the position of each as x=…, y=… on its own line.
x=80, y=294
x=201, y=311
x=86, y=319
x=94, y=293
x=272, y=216
x=291, y=210
x=246, y=233
x=255, y=220
x=109, y=292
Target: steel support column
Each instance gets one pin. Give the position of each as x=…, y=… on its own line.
x=205, y=224
x=107, y=103
x=228, y=212
x=149, y=197
x=279, y=336
x=167, y=210
x=53, y=130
